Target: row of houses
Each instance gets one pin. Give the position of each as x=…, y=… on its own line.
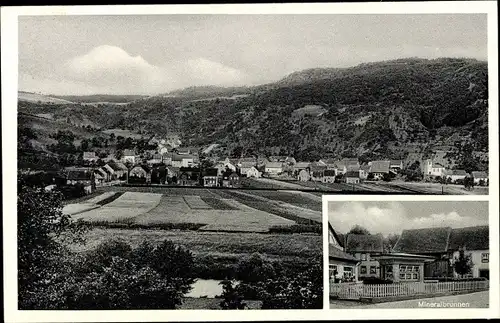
x=418, y=255
x=432, y=169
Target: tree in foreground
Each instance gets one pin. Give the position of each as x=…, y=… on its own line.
x=463, y=263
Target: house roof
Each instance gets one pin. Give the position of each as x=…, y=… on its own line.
x=101, y=171
x=247, y=164
x=352, y=174
x=115, y=167
x=176, y=157
x=472, y=238
x=121, y=166
x=364, y=243
x=329, y=172
x=396, y=162
x=437, y=165
x=274, y=165
x=248, y=160
x=336, y=253
x=380, y=166
x=108, y=168
x=302, y=165
x=143, y=167
x=427, y=240
x=317, y=168
x=477, y=174
x=459, y=172
x=328, y=160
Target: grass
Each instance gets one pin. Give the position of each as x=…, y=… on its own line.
x=291, y=198
x=204, y=243
x=110, y=199
x=218, y=204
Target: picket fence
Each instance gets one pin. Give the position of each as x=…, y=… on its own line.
x=359, y=290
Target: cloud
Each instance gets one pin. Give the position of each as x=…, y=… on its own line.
x=111, y=70
x=375, y=219
x=390, y=219
x=452, y=219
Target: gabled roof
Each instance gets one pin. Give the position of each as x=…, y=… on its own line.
x=364, y=243
x=108, y=169
x=427, y=240
x=247, y=164
x=472, y=238
x=121, y=165
x=336, y=253
x=143, y=167
x=302, y=165
x=274, y=165
x=477, y=174
x=115, y=167
x=380, y=166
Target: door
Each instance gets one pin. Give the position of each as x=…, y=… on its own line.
x=485, y=273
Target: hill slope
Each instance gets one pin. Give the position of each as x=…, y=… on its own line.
x=377, y=110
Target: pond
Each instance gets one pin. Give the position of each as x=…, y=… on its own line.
x=205, y=287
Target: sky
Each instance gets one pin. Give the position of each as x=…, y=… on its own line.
x=159, y=53
x=393, y=217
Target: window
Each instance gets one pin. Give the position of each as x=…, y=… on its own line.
x=363, y=256
x=347, y=271
x=485, y=257
x=373, y=270
x=409, y=272
x=363, y=270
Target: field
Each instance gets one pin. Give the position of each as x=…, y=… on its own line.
x=33, y=97
x=199, y=209
x=124, y=133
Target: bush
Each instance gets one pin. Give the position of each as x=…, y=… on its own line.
x=296, y=228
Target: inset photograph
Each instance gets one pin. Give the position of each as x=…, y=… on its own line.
x=408, y=254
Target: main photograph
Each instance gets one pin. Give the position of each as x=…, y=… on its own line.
x=178, y=161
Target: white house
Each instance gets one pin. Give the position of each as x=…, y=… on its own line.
x=182, y=160
x=431, y=169
x=456, y=174
x=343, y=267
x=90, y=156
x=128, y=156
x=274, y=168
x=480, y=176
x=473, y=241
x=253, y=172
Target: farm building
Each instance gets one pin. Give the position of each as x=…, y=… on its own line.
x=253, y=172
x=119, y=170
x=273, y=168
x=379, y=168
x=456, y=175
x=210, y=177
x=396, y=165
x=89, y=156
x=342, y=266
x=244, y=167
x=328, y=176
x=304, y=175
x=231, y=180
x=83, y=176
x=301, y=166
x=352, y=178
x=139, y=174
x=364, y=170
x=480, y=178
x=129, y=156
x=364, y=247
x=317, y=172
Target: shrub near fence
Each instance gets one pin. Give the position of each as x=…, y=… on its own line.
x=357, y=291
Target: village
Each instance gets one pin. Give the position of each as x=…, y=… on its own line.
x=170, y=163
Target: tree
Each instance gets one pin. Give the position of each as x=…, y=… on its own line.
x=255, y=268
x=469, y=182
x=232, y=300
x=390, y=241
x=357, y=229
x=463, y=263
x=303, y=290
x=41, y=228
